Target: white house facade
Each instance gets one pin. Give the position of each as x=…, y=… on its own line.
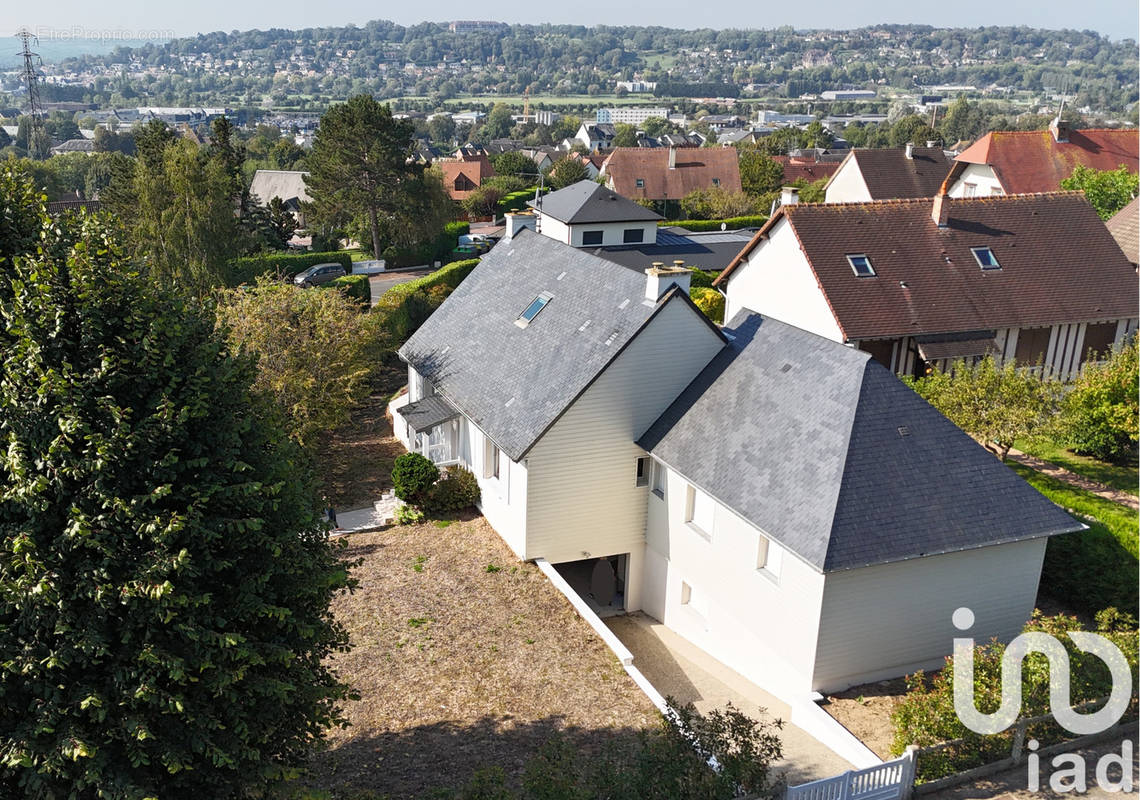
x=721, y=476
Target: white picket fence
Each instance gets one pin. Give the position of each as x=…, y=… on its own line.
x=892, y=780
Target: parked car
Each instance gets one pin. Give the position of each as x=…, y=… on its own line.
x=318, y=274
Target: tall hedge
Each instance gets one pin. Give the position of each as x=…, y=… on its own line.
x=516, y=201
x=355, y=286
x=702, y=225
x=246, y=270
x=437, y=249
x=406, y=306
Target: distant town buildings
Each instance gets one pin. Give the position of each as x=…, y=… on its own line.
x=630, y=115
x=471, y=26
x=847, y=94
x=637, y=87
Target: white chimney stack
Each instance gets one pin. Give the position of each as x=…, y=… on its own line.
x=789, y=196
x=672, y=157
x=660, y=278
x=909, y=150
x=931, y=143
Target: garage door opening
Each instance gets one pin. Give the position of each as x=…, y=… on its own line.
x=600, y=582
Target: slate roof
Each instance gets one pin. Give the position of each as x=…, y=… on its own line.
x=587, y=201
x=1058, y=262
x=709, y=251
x=1125, y=229
x=427, y=412
x=888, y=173
x=832, y=456
x=513, y=382
x=283, y=183
x=696, y=167
x=1033, y=161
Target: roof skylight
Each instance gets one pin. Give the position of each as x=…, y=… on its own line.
x=985, y=258
x=861, y=265
x=531, y=311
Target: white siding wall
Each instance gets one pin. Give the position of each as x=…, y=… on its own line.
x=983, y=178
x=887, y=620
x=777, y=281
x=582, y=492
x=847, y=185
x=502, y=500
x=761, y=623
x=612, y=232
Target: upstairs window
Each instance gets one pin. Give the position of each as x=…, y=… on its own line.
x=532, y=310
x=985, y=258
x=591, y=237
x=633, y=235
x=643, y=471
x=861, y=265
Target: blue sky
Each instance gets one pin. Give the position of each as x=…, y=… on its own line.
x=1117, y=18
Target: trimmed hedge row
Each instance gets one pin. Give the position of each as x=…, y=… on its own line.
x=406, y=306
x=516, y=201
x=355, y=286
x=247, y=269
x=701, y=225
x=437, y=249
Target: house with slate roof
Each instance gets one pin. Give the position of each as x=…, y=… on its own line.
x=885, y=174
x=752, y=487
x=1021, y=162
x=920, y=282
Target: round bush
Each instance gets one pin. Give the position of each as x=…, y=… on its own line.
x=456, y=490
x=412, y=478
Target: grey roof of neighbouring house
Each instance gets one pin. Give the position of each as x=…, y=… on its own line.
x=832, y=456
x=284, y=183
x=713, y=250
x=515, y=382
x=586, y=202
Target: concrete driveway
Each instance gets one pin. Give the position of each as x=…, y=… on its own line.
x=679, y=669
x=384, y=281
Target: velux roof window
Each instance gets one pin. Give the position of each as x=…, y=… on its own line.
x=861, y=265
x=531, y=311
x=985, y=258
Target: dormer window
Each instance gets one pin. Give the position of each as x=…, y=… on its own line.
x=861, y=265
x=985, y=258
x=531, y=311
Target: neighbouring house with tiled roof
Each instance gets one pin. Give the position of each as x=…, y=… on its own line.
x=752, y=487
x=1124, y=226
x=462, y=176
x=670, y=173
x=889, y=173
x=807, y=169
x=1021, y=162
x=920, y=282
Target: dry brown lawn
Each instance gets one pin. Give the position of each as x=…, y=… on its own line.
x=464, y=658
x=356, y=459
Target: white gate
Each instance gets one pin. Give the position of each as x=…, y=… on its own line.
x=893, y=780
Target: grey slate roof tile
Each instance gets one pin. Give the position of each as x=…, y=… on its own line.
x=589, y=202
x=799, y=435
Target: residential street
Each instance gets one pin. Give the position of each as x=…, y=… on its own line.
x=386, y=280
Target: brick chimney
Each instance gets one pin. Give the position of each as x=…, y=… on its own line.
x=672, y=157
x=940, y=213
x=660, y=278
x=910, y=151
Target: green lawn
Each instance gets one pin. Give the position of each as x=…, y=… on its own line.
x=1093, y=569
x=1122, y=478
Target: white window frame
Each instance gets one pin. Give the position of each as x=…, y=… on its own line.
x=657, y=477
x=851, y=261
x=996, y=266
x=645, y=467
x=692, y=494
x=969, y=189
x=491, y=459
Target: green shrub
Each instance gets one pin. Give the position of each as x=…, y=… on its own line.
x=406, y=306
x=926, y=716
x=409, y=515
x=730, y=224
x=702, y=278
x=517, y=201
x=355, y=286
x=709, y=301
x=412, y=478
x=455, y=490
x=246, y=270
x=1101, y=412
x=427, y=252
